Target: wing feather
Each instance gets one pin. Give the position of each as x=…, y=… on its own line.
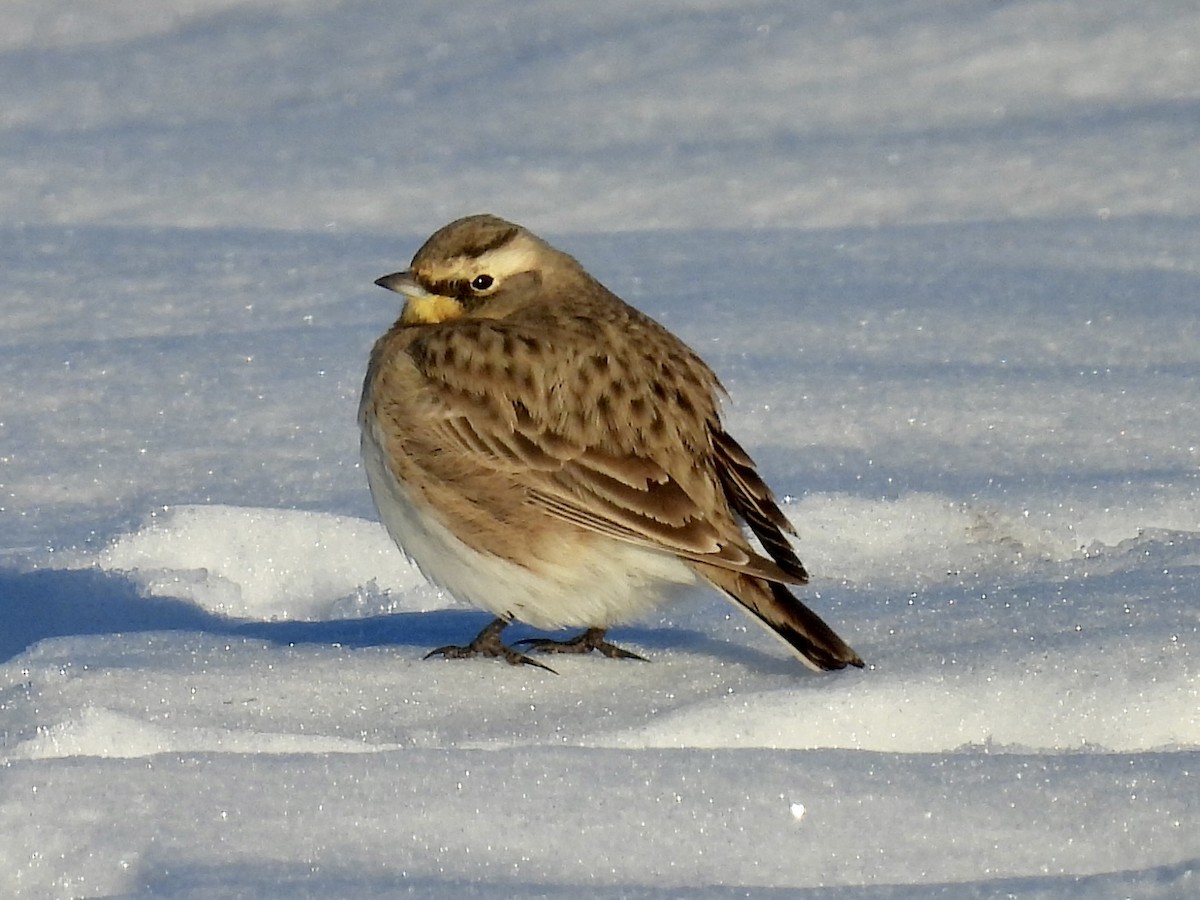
x=639, y=459
x=754, y=501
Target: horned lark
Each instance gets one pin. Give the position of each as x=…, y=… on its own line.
x=544, y=451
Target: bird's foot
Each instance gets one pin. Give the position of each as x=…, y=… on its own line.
x=488, y=643
x=592, y=639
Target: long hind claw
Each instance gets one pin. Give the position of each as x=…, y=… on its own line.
x=592, y=639
x=488, y=643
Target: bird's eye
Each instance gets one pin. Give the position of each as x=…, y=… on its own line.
x=482, y=282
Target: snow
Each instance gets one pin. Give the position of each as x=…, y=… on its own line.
x=944, y=258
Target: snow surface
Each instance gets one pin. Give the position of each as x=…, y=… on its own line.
x=945, y=258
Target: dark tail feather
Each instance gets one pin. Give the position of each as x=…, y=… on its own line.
x=807, y=632
x=818, y=645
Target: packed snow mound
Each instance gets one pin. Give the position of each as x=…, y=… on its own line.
x=1073, y=705
x=100, y=732
x=265, y=564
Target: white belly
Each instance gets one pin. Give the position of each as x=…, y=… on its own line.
x=594, y=584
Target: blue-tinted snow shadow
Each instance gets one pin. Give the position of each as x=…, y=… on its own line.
x=63, y=602
x=51, y=603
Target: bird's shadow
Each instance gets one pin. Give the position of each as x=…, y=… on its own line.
x=54, y=603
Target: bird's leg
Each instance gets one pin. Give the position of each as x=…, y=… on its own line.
x=488, y=643
x=592, y=639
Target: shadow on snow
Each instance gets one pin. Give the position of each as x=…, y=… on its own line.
x=53, y=603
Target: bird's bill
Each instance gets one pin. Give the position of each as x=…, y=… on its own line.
x=421, y=307
x=402, y=283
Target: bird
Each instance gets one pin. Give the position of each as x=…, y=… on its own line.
x=544, y=451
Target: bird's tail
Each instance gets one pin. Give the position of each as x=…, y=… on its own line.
x=772, y=604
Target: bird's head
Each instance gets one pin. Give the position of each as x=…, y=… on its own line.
x=479, y=267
